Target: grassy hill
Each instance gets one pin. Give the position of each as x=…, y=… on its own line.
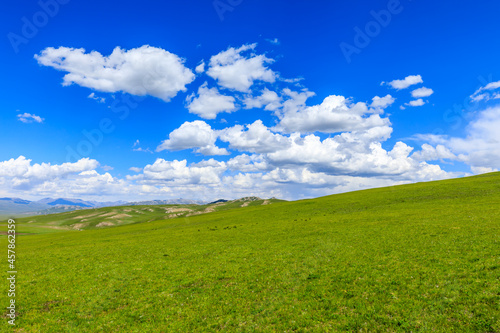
x=98, y=218
x=421, y=258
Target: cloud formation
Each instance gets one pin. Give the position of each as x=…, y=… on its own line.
x=422, y=92
x=335, y=114
x=487, y=92
x=382, y=102
x=196, y=135
x=29, y=118
x=238, y=69
x=479, y=148
x=141, y=71
x=209, y=102
x=405, y=83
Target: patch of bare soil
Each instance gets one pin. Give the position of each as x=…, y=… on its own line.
x=108, y=214
x=119, y=216
x=177, y=210
x=58, y=228
x=80, y=225
x=105, y=224
x=84, y=216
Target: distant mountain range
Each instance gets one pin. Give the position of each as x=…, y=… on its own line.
x=17, y=206
x=167, y=202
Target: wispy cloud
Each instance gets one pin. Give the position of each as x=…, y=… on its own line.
x=96, y=98
x=137, y=147
x=29, y=118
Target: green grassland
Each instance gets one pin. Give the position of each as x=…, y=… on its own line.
x=415, y=258
x=98, y=218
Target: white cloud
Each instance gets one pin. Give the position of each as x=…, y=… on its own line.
x=405, y=83
x=96, y=98
x=257, y=138
x=417, y=102
x=295, y=101
x=141, y=71
x=178, y=172
x=238, y=69
x=274, y=41
x=210, y=102
x=485, y=93
x=334, y=114
x=480, y=148
x=197, y=134
x=382, y=102
x=135, y=169
x=29, y=118
x=422, y=92
x=335, y=156
x=430, y=153
x=268, y=99
x=137, y=147
x=248, y=163
x=20, y=176
x=200, y=68
x=481, y=170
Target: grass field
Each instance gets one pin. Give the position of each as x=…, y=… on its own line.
x=421, y=258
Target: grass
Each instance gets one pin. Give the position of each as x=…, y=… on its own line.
x=99, y=218
x=421, y=258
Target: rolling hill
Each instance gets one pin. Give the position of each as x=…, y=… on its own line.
x=411, y=258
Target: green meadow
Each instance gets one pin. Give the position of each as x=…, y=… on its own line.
x=414, y=258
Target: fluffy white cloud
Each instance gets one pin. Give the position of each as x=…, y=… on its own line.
x=237, y=69
x=210, y=102
x=21, y=167
x=338, y=156
x=481, y=170
x=135, y=169
x=334, y=114
x=197, y=134
x=200, y=68
x=405, y=83
x=257, y=138
x=19, y=177
x=422, y=92
x=248, y=163
x=29, y=118
x=163, y=172
x=430, y=153
x=268, y=99
x=141, y=71
x=417, y=102
x=480, y=148
x=382, y=102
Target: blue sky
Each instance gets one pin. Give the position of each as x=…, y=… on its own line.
x=228, y=98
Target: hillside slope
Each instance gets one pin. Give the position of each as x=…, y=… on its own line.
x=421, y=257
x=106, y=217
